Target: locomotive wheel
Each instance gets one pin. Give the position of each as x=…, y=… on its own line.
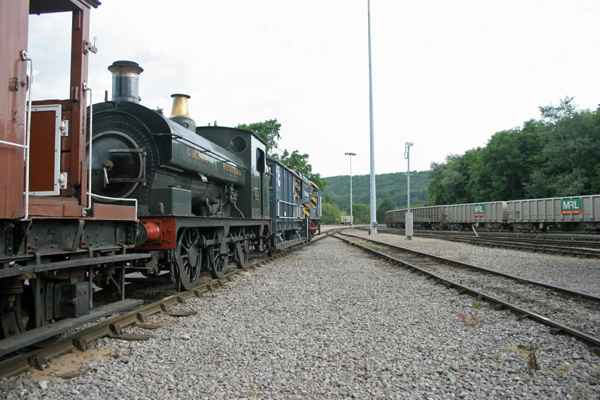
x=188, y=256
x=242, y=250
x=218, y=262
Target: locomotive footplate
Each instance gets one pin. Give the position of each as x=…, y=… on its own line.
x=32, y=337
x=36, y=269
x=169, y=226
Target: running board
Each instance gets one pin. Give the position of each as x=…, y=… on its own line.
x=290, y=243
x=37, y=335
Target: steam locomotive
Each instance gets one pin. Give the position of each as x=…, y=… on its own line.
x=91, y=193
x=203, y=194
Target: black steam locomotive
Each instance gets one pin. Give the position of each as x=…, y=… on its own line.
x=204, y=195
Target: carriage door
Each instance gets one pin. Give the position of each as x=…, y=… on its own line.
x=44, y=170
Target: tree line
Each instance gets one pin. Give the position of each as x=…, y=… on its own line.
x=555, y=156
x=391, y=194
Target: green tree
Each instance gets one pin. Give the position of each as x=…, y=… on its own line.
x=331, y=214
x=299, y=162
x=454, y=184
x=383, y=207
x=571, y=152
x=435, y=191
x=449, y=183
x=507, y=162
x=558, y=155
x=267, y=131
x=361, y=213
x=571, y=143
x=595, y=181
x=391, y=185
x=539, y=186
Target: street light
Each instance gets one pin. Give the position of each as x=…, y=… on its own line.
x=351, y=217
x=408, y=229
x=373, y=229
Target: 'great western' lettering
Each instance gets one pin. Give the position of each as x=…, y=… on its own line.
x=196, y=155
x=232, y=170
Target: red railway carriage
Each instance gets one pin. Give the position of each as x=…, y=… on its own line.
x=53, y=240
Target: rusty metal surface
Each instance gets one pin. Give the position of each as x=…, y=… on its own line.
x=43, y=174
x=42, y=151
x=13, y=28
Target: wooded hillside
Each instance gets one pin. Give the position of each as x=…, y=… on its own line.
x=392, y=186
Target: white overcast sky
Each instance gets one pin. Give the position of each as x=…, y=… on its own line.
x=447, y=75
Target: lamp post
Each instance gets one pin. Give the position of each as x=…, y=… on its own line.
x=408, y=229
x=351, y=217
x=373, y=229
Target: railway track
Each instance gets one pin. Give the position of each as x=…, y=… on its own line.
x=571, y=247
x=22, y=359
x=563, y=310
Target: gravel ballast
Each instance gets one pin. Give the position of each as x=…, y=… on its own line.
x=569, y=272
x=332, y=322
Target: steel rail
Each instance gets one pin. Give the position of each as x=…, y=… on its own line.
x=456, y=263
x=499, y=304
x=544, y=248
x=565, y=236
x=534, y=247
x=114, y=327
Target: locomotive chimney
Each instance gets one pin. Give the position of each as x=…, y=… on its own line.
x=125, y=81
x=181, y=112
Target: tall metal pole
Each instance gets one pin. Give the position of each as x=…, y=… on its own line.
x=373, y=229
x=408, y=221
x=351, y=215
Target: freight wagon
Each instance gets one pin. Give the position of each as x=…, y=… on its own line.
x=491, y=215
x=520, y=215
x=558, y=212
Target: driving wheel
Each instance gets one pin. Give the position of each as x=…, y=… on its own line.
x=218, y=262
x=188, y=256
x=242, y=250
